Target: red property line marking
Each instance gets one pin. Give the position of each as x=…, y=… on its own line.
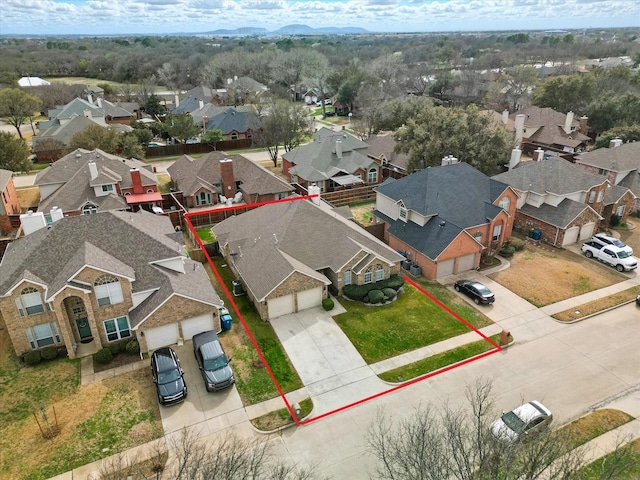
x=264, y=360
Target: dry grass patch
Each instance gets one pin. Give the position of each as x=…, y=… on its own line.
x=362, y=213
x=546, y=276
x=29, y=197
x=164, y=182
x=593, y=425
x=598, y=305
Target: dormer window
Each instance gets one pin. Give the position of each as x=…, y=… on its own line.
x=89, y=209
x=107, y=188
x=403, y=212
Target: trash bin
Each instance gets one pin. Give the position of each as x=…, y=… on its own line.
x=537, y=234
x=225, y=321
x=531, y=230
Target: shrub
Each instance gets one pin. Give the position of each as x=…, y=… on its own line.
x=394, y=281
x=376, y=296
x=103, y=356
x=507, y=251
x=32, y=358
x=114, y=348
x=133, y=347
x=389, y=293
x=327, y=304
x=517, y=243
x=49, y=353
x=357, y=292
x=333, y=290
x=615, y=220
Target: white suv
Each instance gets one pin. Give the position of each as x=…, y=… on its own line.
x=608, y=240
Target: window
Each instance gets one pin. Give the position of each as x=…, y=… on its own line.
x=30, y=302
x=368, y=274
x=505, y=203
x=107, y=188
x=600, y=195
x=234, y=136
x=496, y=232
x=372, y=175
x=403, y=212
x=347, y=277
x=592, y=196
x=89, y=209
x=478, y=237
x=43, y=335
x=359, y=175
x=150, y=190
x=379, y=273
x=117, y=328
x=108, y=290
x=620, y=210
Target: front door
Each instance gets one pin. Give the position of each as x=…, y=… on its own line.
x=84, y=329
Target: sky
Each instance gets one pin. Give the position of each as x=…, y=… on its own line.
x=104, y=17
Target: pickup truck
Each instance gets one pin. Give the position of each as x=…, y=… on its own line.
x=610, y=254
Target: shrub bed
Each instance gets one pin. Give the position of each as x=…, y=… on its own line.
x=359, y=292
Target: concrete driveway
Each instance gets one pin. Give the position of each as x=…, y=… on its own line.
x=207, y=412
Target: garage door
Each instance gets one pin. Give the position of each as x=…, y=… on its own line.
x=570, y=236
x=466, y=262
x=446, y=267
x=162, y=336
x=309, y=298
x=586, y=231
x=280, y=306
x=196, y=325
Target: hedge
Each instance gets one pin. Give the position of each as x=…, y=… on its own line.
x=114, y=348
x=376, y=296
x=389, y=293
x=32, y=358
x=49, y=353
x=359, y=292
x=103, y=356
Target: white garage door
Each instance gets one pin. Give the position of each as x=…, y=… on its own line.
x=162, y=336
x=309, y=298
x=466, y=262
x=196, y=325
x=280, y=306
x=570, y=236
x=587, y=230
x=446, y=267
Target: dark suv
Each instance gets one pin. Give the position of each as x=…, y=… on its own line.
x=213, y=363
x=168, y=376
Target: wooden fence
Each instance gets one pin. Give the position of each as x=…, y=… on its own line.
x=350, y=195
x=191, y=148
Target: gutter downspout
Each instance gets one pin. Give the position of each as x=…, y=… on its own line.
x=555, y=242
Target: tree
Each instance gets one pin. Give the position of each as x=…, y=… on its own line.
x=14, y=153
x=469, y=135
x=608, y=112
x=96, y=136
x=457, y=443
x=212, y=137
x=566, y=94
x=17, y=106
x=626, y=134
x=129, y=146
x=520, y=82
x=181, y=127
x=153, y=106
x=50, y=148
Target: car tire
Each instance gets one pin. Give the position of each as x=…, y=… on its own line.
x=457, y=288
x=620, y=267
x=588, y=254
x=477, y=300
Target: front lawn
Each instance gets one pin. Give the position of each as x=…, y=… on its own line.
x=412, y=322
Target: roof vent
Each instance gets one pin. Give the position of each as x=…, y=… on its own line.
x=442, y=223
x=78, y=155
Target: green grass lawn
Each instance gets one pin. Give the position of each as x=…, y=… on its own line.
x=205, y=234
x=412, y=322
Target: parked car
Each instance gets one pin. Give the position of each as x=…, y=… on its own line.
x=168, y=376
x=157, y=144
x=609, y=240
x=475, y=290
x=530, y=417
x=638, y=300
x=212, y=361
x=609, y=254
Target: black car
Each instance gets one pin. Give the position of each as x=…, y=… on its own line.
x=168, y=376
x=212, y=361
x=475, y=290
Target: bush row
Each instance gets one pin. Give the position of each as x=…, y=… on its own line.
x=359, y=292
x=36, y=356
x=105, y=355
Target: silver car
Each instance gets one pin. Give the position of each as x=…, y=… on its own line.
x=527, y=418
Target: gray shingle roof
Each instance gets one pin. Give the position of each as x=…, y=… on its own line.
x=187, y=105
x=134, y=242
x=615, y=193
x=624, y=158
x=71, y=173
x=553, y=175
x=191, y=174
x=114, y=111
x=234, y=120
x=5, y=176
x=559, y=216
x=273, y=241
x=383, y=146
x=65, y=132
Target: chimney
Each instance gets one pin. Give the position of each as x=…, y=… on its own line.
x=567, y=122
x=32, y=222
x=505, y=116
x=201, y=103
x=90, y=98
x=87, y=113
x=314, y=191
x=519, y=128
x=93, y=170
x=538, y=155
x=516, y=154
x=616, y=142
x=583, y=125
x=205, y=120
x=339, y=148
x=136, y=180
x=56, y=214
x=99, y=102
x=228, y=180
x=176, y=100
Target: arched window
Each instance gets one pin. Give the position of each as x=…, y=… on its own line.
x=505, y=203
x=108, y=290
x=368, y=275
x=403, y=212
x=30, y=302
x=234, y=136
x=150, y=190
x=379, y=273
x=372, y=175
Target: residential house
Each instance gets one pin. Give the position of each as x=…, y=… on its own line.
x=123, y=275
x=188, y=105
x=286, y=254
x=332, y=161
x=445, y=218
x=201, y=92
x=115, y=114
x=545, y=128
x=563, y=201
x=234, y=123
x=217, y=178
x=9, y=201
x=620, y=164
x=243, y=89
x=86, y=182
x=382, y=148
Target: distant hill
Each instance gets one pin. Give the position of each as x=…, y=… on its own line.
x=288, y=30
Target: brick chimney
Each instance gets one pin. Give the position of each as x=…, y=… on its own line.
x=136, y=179
x=228, y=180
x=584, y=129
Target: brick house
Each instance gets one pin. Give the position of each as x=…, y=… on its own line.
x=382, y=150
x=333, y=161
x=205, y=180
x=444, y=218
x=85, y=182
x=620, y=164
x=9, y=201
x=287, y=254
x=132, y=282
x=562, y=200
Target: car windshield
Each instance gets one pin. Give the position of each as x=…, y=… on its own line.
x=168, y=376
x=216, y=363
x=513, y=421
x=482, y=290
x=623, y=254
